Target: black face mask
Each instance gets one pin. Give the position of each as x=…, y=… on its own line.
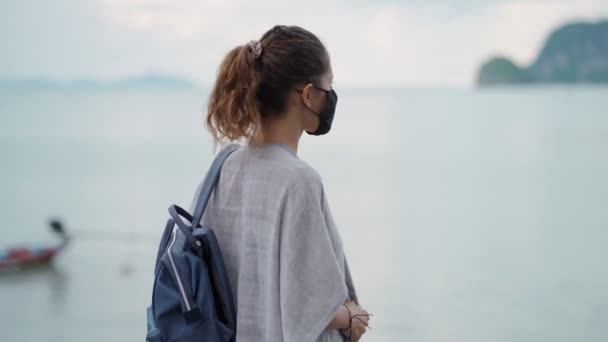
x=326, y=116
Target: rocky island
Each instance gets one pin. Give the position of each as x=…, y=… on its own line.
x=574, y=53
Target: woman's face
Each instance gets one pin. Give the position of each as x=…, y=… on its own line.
x=313, y=99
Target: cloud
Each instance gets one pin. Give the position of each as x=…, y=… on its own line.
x=178, y=19
x=372, y=43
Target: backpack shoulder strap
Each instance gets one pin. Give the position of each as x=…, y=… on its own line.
x=210, y=181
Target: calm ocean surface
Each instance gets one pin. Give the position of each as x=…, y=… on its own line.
x=466, y=215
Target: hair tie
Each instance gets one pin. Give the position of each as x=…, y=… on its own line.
x=255, y=48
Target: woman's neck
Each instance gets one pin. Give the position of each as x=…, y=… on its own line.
x=281, y=131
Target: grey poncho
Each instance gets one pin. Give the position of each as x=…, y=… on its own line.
x=283, y=253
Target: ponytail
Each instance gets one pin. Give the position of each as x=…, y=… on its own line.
x=254, y=81
x=233, y=111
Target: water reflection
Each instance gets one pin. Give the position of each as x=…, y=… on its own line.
x=45, y=277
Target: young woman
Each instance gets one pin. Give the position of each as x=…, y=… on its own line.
x=283, y=253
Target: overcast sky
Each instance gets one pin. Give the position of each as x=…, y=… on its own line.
x=372, y=43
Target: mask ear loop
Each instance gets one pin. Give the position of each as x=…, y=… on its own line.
x=310, y=109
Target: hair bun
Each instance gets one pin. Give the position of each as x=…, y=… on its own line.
x=255, y=48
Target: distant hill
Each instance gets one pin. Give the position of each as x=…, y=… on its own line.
x=150, y=80
x=574, y=53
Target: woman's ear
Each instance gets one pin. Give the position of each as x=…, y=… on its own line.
x=307, y=94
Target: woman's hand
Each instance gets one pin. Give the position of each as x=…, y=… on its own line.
x=359, y=323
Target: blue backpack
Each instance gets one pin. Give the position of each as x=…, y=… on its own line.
x=191, y=296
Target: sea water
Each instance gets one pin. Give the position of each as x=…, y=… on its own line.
x=466, y=215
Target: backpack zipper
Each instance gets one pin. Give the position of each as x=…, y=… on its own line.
x=179, y=280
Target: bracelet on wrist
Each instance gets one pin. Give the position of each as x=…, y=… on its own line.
x=350, y=319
